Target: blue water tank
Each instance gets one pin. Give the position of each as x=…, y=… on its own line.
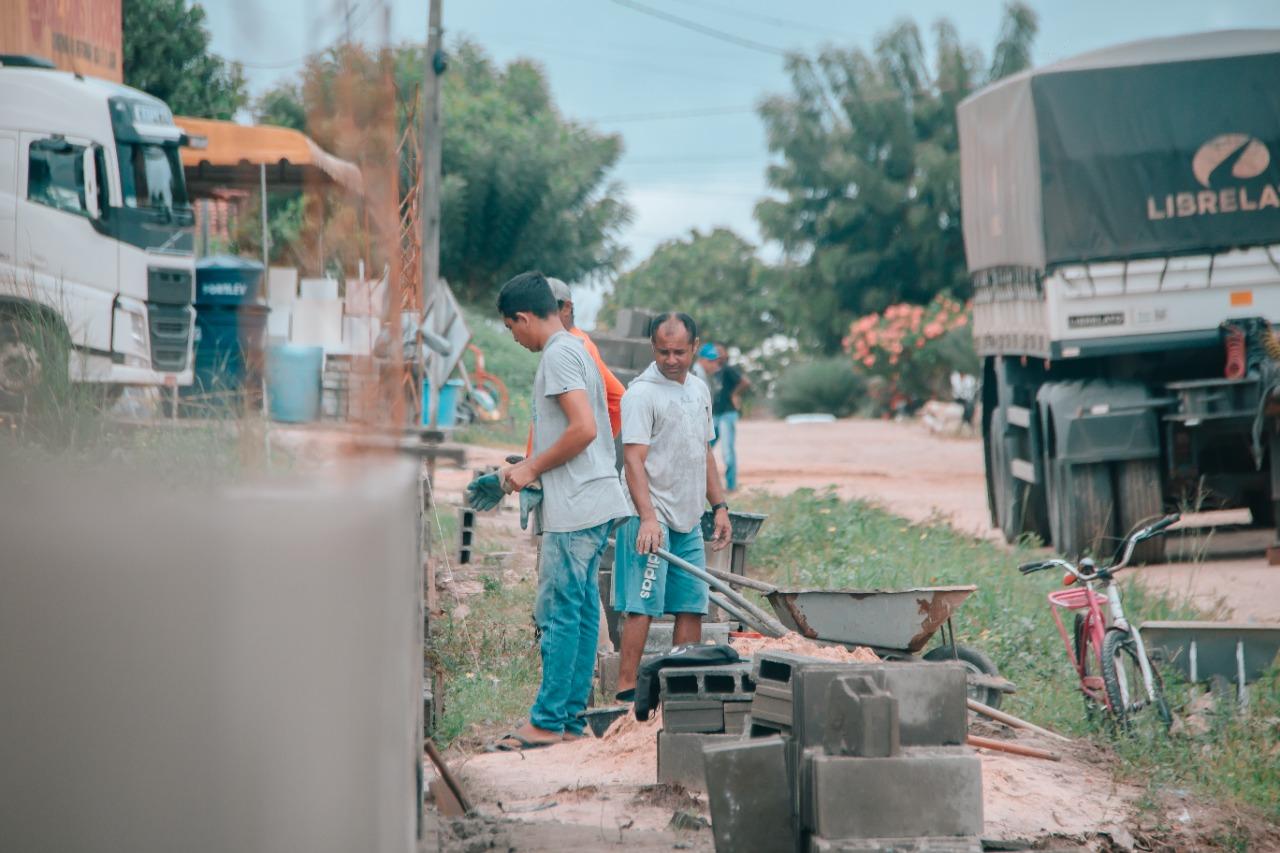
x=231, y=326
x=293, y=382
x=447, y=401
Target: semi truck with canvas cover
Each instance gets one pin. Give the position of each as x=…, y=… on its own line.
x=95, y=234
x=1121, y=214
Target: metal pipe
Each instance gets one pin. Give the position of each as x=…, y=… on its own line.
x=724, y=604
x=775, y=628
x=741, y=580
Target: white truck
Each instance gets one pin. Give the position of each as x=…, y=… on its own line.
x=1121, y=215
x=95, y=232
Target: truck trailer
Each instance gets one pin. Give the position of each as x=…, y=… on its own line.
x=1121, y=215
x=95, y=233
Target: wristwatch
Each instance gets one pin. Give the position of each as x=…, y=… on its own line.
x=721, y=505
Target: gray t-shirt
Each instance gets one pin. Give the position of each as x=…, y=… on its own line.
x=674, y=420
x=584, y=491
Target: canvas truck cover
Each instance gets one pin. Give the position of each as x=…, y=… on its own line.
x=1160, y=147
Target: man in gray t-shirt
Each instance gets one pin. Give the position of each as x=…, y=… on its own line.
x=670, y=472
x=581, y=497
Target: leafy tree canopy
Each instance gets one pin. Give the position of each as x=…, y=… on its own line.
x=166, y=54
x=716, y=278
x=869, y=172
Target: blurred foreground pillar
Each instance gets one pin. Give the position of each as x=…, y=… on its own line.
x=236, y=670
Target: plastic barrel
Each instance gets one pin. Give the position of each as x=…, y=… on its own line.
x=293, y=382
x=228, y=348
x=447, y=400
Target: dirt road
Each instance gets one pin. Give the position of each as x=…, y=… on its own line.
x=918, y=475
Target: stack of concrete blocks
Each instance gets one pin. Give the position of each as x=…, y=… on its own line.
x=626, y=350
x=872, y=753
x=701, y=706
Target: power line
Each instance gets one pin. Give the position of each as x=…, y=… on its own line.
x=766, y=19
x=750, y=44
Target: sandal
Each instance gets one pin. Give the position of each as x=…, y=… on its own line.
x=521, y=743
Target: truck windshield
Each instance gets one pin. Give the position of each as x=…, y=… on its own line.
x=151, y=177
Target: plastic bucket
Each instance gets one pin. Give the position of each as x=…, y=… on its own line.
x=447, y=401
x=293, y=382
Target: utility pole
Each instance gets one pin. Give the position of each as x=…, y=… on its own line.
x=429, y=202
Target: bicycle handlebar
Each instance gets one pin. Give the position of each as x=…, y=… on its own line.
x=1125, y=551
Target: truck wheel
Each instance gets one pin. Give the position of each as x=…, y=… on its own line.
x=1002, y=485
x=1086, y=509
x=1140, y=500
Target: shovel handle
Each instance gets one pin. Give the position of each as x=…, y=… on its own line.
x=767, y=624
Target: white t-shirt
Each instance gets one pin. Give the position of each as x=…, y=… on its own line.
x=674, y=420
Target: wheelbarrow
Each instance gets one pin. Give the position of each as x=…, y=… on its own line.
x=895, y=624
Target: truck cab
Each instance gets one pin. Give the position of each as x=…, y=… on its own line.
x=95, y=231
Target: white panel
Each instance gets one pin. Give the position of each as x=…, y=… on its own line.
x=318, y=323
x=319, y=288
x=282, y=286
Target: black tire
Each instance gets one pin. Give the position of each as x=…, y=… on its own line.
x=1086, y=509
x=1002, y=485
x=1122, y=676
x=974, y=661
x=1088, y=658
x=1140, y=500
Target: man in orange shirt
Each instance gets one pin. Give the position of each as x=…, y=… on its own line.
x=613, y=387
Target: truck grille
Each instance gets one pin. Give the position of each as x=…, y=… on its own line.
x=170, y=332
x=168, y=286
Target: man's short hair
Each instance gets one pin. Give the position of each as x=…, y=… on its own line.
x=529, y=292
x=662, y=319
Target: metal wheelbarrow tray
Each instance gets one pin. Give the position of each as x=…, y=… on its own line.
x=897, y=620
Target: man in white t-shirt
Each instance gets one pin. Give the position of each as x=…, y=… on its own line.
x=669, y=470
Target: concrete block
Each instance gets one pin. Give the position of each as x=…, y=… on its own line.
x=924, y=791
x=779, y=666
x=607, y=676
x=749, y=796
x=632, y=353
x=728, y=683
x=862, y=719
x=698, y=715
x=661, y=633
x=680, y=757
x=632, y=323
x=765, y=728
x=951, y=844
x=735, y=717
x=772, y=703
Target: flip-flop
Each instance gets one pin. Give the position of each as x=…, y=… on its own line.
x=523, y=743
x=628, y=695
x=570, y=737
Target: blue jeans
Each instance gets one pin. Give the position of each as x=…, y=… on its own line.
x=726, y=425
x=567, y=613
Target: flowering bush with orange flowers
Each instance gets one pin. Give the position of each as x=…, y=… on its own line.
x=914, y=348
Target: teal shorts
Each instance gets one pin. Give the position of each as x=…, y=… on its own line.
x=652, y=589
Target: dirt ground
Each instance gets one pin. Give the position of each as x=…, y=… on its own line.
x=600, y=794
x=916, y=474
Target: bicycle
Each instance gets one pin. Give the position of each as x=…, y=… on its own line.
x=1107, y=653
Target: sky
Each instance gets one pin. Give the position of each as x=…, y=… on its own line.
x=695, y=152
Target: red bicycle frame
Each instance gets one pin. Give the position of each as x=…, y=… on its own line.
x=1094, y=629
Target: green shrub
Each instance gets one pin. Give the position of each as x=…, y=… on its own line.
x=829, y=385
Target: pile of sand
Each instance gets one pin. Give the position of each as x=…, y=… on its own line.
x=628, y=735
x=796, y=644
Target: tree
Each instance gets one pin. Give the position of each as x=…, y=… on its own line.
x=870, y=213
x=166, y=54
x=716, y=278
x=523, y=187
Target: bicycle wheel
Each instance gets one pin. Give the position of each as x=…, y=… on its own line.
x=1122, y=675
x=1092, y=671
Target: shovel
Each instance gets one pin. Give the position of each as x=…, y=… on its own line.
x=728, y=598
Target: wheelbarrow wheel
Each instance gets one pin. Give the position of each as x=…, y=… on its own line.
x=976, y=662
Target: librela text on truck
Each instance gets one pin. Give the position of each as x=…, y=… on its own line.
x=1122, y=230
x=95, y=231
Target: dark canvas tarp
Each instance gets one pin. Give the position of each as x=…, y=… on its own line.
x=1163, y=147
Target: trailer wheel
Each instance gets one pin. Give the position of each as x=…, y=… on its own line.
x=1140, y=499
x=1085, y=507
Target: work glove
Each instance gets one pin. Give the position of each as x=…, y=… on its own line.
x=530, y=500
x=484, y=492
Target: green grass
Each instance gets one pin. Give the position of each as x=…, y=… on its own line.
x=815, y=539
x=511, y=363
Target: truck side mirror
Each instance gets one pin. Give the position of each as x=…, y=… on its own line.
x=91, y=183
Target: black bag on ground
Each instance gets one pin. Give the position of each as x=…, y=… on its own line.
x=689, y=655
